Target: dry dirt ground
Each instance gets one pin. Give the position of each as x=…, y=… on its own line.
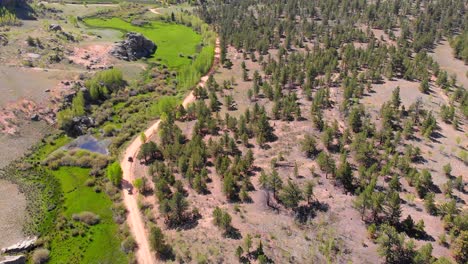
x=286, y=241
x=443, y=54
x=283, y=239
x=12, y=214
x=436, y=153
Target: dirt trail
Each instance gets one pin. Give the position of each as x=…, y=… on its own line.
x=134, y=218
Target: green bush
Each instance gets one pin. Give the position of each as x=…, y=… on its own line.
x=114, y=173
x=128, y=245
x=88, y=218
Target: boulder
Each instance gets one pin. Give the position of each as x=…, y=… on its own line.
x=133, y=47
x=24, y=245
x=35, y=117
x=80, y=125
x=133, y=93
x=20, y=259
x=55, y=27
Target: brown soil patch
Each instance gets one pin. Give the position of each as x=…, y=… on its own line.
x=93, y=56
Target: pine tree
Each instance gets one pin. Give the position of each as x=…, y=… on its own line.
x=275, y=183
x=309, y=146
x=291, y=195
x=392, y=208
x=396, y=100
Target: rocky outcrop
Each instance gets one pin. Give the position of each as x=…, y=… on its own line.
x=24, y=245
x=80, y=125
x=55, y=27
x=35, y=117
x=13, y=259
x=133, y=47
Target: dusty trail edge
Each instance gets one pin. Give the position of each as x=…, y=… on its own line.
x=144, y=254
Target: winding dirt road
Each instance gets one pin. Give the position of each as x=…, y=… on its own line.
x=135, y=219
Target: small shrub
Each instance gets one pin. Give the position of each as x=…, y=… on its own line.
x=30, y=41
x=447, y=169
x=88, y=218
x=372, y=231
x=128, y=245
x=40, y=255
x=90, y=182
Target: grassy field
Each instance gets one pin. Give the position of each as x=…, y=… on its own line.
x=92, y=244
x=175, y=42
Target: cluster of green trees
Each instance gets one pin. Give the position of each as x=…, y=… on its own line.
x=99, y=88
x=148, y=151
x=460, y=46
x=222, y=219
x=246, y=252
x=287, y=25
x=279, y=21
x=290, y=195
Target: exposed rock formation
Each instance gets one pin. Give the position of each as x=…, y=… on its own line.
x=80, y=124
x=55, y=27
x=24, y=245
x=13, y=259
x=133, y=47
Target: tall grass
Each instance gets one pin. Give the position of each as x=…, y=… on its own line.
x=7, y=17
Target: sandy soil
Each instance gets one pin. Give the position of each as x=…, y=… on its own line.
x=12, y=214
x=443, y=54
x=436, y=153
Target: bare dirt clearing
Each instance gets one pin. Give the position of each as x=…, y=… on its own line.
x=93, y=56
x=443, y=54
x=18, y=83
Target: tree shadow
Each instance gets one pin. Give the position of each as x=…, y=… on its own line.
x=307, y=212
x=233, y=233
x=189, y=223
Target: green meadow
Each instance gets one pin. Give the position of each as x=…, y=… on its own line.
x=77, y=242
x=175, y=42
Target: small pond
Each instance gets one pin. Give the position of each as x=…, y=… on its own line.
x=90, y=143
